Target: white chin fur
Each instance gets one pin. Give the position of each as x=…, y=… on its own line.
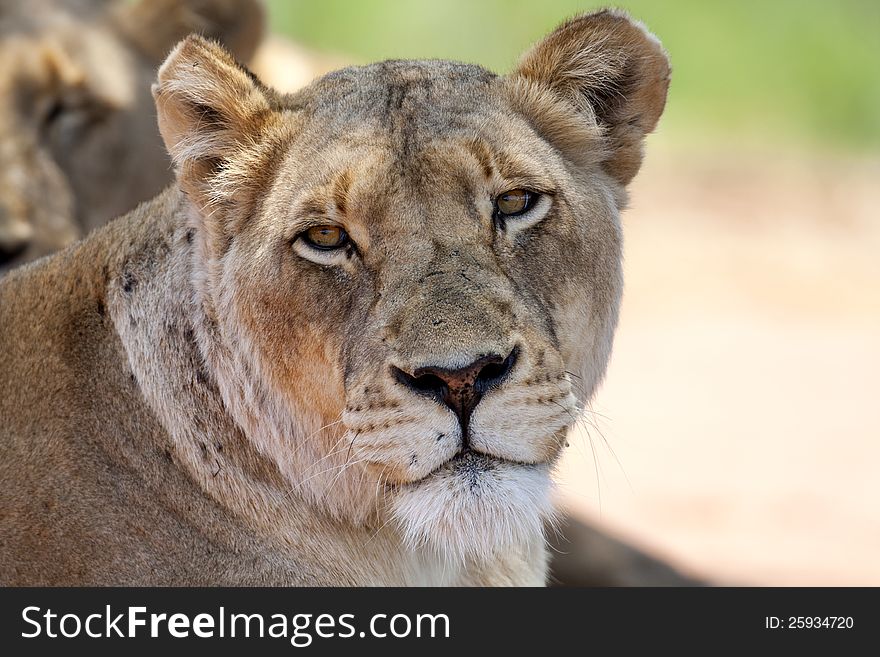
x=475, y=508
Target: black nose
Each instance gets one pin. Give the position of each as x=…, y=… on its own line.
x=460, y=389
x=9, y=252
x=14, y=239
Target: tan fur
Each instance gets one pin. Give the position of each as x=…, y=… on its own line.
x=78, y=139
x=192, y=396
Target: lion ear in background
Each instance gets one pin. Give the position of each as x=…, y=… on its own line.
x=155, y=26
x=608, y=72
x=214, y=117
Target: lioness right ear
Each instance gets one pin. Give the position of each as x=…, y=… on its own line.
x=211, y=112
x=609, y=72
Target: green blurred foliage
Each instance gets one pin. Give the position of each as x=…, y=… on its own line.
x=751, y=72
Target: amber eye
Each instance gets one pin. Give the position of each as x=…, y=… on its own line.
x=326, y=237
x=514, y=202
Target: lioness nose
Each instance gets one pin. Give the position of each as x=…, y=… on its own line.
x=460, y=389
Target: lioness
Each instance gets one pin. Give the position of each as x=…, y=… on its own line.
x=345, y=346
x=78, y=138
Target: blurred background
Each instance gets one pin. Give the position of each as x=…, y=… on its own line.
x=737, y=435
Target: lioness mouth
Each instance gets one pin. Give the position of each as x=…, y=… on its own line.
x=471, y=459
x=469, y=464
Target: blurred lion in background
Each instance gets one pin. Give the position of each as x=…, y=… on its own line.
x=78, y=138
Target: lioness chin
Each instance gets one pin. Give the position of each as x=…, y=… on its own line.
x=346, y=345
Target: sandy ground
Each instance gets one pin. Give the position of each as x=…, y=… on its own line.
x=737, y=433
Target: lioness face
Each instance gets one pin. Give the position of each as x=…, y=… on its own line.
x=78, y=138
x=423, y=260
x=446, y=324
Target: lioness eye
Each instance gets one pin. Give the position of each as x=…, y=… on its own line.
x=514, y=202
x=326, y=237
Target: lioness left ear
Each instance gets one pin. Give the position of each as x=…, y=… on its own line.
x=609, y=72
x=211, y=113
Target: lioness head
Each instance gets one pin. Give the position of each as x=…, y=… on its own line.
x=408, y=274
x=78, y=142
